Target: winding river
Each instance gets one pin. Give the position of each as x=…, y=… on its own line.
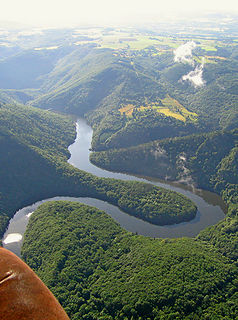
x=211, y=208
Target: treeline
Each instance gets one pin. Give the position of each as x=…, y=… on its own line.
x=99, y=271
x=33, y=148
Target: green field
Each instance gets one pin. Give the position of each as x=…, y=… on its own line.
x=135, y=41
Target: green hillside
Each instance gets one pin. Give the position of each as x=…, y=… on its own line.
x=100, y=83
x=24, y=174
x=211, y=158
x=99, y=271
x=216, y=101
x=90, y=78
x=207, y=160
x=146, y=120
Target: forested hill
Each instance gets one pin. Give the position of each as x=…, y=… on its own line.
x=207, y=160
x=25, y=133
x=99, y=271
x=89, y=78
x=92, y=77
x=37, y=128
x=132, y=90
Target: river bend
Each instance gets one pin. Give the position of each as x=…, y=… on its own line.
x=210, y=206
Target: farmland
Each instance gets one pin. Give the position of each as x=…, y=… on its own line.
x=168, y=106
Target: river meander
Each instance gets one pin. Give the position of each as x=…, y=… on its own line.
x=211, y=208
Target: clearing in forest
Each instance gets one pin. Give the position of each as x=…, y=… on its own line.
x=168, y=106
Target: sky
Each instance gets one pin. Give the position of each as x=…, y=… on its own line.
x=61, y=13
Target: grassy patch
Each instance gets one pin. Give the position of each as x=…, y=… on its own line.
x=169, y=106
x=135, y=42
x=177, y=108
x=169, y=113
x=127, y=110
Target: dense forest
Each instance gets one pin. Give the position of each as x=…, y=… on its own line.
x=99, y=271
x=25, y=134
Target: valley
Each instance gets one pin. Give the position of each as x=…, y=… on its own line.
x=158, y=102
x=210, y=207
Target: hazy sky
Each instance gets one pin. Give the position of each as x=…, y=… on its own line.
x=67, y=12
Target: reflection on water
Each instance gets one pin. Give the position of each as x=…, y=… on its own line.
x=12, y=238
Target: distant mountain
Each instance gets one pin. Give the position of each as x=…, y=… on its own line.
x=83, y=80
x=25, y=69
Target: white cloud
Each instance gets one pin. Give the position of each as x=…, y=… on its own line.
x=184, y=52
x=195, y=77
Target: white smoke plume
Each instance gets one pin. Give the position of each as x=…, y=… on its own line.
x=184, y=53
x=195, y=76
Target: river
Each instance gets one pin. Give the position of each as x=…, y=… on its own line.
x=211, y=208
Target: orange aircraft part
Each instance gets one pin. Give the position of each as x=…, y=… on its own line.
x=23, y=296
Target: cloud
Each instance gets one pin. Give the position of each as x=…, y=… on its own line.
x=184, y=52
x=195, y=76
